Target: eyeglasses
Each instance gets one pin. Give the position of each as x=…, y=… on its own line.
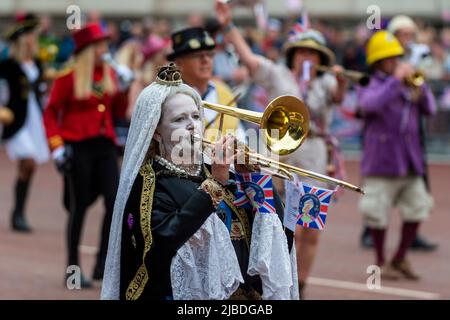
x=201, y=54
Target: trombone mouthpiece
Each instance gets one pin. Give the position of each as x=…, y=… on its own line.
x=195, y=137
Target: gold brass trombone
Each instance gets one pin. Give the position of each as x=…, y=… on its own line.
x=290, y=117
x=361, y=78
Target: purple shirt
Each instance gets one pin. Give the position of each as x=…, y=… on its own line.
x=391, y=138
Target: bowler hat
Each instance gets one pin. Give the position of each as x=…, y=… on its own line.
x=23, y=24
x=190, y=40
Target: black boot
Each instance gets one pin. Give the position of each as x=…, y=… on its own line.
x=421, y=243
x=18, y=220
x=366, y=239
x=98, y=271
x=85, y=283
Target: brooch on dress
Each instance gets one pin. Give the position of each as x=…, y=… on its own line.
x=130, y=222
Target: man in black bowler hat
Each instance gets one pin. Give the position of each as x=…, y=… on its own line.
x=193, y=52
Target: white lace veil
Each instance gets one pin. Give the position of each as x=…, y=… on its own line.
x=145, y=118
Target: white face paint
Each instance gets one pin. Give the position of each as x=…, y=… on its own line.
x=181, y=119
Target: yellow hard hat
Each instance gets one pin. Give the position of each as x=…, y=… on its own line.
x=382, y=45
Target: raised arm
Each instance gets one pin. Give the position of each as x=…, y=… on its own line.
x=224, y=16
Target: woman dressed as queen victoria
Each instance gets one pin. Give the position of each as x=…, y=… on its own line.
x=175, y=232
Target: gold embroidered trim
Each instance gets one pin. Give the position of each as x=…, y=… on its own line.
x=240, y=213
x=243, y=219
x=214, y=190
x=137, y=285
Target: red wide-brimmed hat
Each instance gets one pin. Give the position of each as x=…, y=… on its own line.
x=89, y=34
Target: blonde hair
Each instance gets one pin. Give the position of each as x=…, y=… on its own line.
x=83, y=73
x=129, y=54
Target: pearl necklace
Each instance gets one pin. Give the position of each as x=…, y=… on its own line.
x=176, y=169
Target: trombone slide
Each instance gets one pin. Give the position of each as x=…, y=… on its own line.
x=361, y=78
x=285, y=171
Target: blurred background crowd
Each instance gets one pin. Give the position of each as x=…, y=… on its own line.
x=142, y=44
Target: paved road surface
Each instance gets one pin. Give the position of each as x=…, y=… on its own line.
x=33, y=266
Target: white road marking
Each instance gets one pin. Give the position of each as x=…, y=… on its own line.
x=363, y=287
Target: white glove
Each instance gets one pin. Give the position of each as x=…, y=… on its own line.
x=125, y=74
x=62, y=157
x=58, y=154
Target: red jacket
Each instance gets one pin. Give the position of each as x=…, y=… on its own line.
x=69, y=119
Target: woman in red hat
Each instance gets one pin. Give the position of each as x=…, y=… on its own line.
x=21, y=88
x=79, y=119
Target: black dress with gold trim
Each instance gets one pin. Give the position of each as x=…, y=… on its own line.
x=162, y=212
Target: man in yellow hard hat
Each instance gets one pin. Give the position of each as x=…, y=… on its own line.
x=392, y=163
x=406, y=30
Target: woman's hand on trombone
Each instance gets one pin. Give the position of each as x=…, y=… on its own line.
x=225, y=153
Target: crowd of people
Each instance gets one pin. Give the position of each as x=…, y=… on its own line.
x=96, y=97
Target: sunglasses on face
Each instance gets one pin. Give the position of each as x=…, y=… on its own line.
x=201, y=54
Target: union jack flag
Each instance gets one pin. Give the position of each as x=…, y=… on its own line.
x=300, y=26
x=255, y=191
x=313, y=206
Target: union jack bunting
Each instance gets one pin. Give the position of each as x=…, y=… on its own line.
x=255, y=190
x=313, y=206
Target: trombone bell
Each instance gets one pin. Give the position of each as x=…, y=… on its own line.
x=285, y=120
x=416, y=80
x=290, y=116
